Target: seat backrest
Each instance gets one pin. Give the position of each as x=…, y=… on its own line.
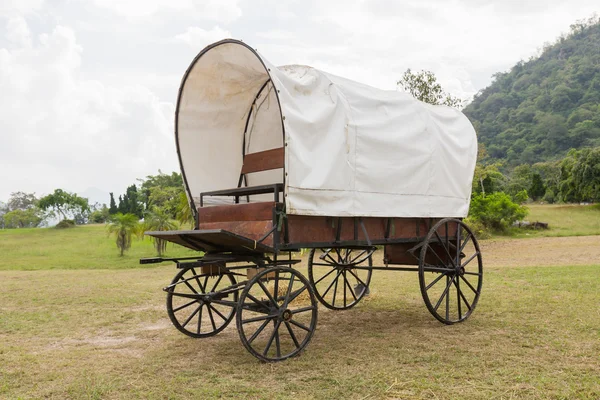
x=263, y=161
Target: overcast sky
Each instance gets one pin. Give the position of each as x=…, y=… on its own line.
x=87, y=87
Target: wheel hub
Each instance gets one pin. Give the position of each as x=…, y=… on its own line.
x=286, y=315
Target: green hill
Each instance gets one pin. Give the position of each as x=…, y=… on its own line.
x=543, y=107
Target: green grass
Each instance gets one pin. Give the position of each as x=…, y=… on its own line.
x=563, y=220
x=73, y=334
x=82, y=247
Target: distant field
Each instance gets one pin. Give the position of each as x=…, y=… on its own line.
x=564, y=220
x=82, y=247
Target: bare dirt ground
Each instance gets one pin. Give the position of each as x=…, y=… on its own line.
x=548, y=251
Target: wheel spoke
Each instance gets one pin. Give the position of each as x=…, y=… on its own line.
x=331, y=284
x=344, y=276
x=462, y=295
x=299, y=325
x=292, y=335
x=297, y=293
x=216, y=283
x=323, y=264
x=324, y=276
x=217, y=312
x=436, y=280
x=276, y=287
x=357, y=278
x=260, y=303
x=468, y=284
x=437, y=305
x=445, y=247
x=464, y=244
x=303, y=309
x=271, y=299
x=258, y=331
x=270, y=342
x=191, y=316
x=289, y=291
x=351, y=291
x=472, y=273
x=256, y=319
x=198, y=280
x=200, y=318
x=358, y=256
x=435, y=254
x=184, y=306
x=458, y=293
x=469, y=260
x=337, y=278
x=190, y=286
x=448, y=300
x=277, y=343
x=212, y=319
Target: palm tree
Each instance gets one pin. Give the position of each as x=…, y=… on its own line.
x=158, y=219
x=124, y=226
x=184, y=211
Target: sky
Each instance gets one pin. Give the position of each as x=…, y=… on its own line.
x=88, y=87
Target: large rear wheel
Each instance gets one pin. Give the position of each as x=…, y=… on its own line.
x=450, y=271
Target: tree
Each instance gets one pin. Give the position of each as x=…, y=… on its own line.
x=29, y=218
x=21, y=201
x=424, y=86
x=162, y=191
x=184, y=212
x=64, y=203
x=159, y=220
x=537, y=190
x=124, y=226
x=113, y=206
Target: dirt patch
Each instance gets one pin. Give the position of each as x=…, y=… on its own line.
x=549, y=251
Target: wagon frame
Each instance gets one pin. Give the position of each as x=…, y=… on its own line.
x=243, y=271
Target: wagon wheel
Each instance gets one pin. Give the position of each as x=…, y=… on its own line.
x=197, y=304
x=450, y=280
x=338, y=283
x=276, y=314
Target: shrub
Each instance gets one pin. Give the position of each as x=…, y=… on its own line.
x=495, y=211
x=65, y=223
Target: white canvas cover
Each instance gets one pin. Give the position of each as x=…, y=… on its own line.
x=350, y=149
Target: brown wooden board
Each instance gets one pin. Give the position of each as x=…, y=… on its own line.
x=263, y=161
x=254, y=230
x=237, y=212
x=307, y=229
x=212, y=240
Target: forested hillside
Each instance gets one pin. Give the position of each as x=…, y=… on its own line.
x=543, y=107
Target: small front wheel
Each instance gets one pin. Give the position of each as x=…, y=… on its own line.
x=199, y=305
x=276, y=314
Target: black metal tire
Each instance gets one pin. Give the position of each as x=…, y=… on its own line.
x=342, y=273
x=218, y=319
x=461, y=269
x=278, y=310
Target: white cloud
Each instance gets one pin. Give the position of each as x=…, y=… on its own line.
x=198, y=38
x=224, y=11
x=12, y=8
x=59, y=129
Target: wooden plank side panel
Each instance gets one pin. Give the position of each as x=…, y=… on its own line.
x=237, y=212
x=263, y=161
x=254, y=230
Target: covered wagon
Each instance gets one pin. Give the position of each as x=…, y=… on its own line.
x=279, y=159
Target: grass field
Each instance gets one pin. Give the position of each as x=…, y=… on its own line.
x=563, y=219
x=71, y=328
x=82, y=247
